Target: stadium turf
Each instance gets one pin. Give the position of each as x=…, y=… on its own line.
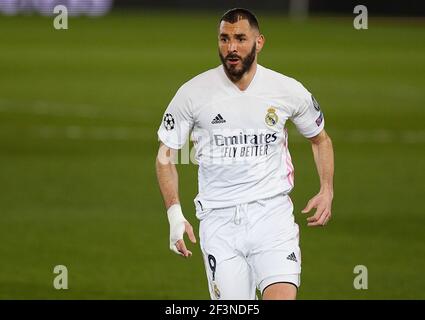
x=79, y=110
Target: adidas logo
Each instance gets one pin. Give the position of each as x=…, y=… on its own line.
x=218, y=119
x=292, y=257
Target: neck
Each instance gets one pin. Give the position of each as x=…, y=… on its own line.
x=244, y=82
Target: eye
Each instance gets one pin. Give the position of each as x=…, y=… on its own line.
x=223, y=39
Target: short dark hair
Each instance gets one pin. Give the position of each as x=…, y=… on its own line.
x=236, y=14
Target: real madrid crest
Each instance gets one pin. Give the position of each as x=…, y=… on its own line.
x=271, y=117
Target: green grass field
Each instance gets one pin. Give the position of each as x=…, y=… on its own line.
x=79, y=110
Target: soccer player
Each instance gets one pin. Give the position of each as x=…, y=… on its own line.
x=236, y=114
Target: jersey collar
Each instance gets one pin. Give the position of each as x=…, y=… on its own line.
x=234, y=87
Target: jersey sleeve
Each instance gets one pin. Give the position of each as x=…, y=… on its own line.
x=308, y=117
x=177, y=121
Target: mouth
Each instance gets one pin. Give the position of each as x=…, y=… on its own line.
x=233, y=61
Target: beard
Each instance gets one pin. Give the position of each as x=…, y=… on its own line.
x=231, y=70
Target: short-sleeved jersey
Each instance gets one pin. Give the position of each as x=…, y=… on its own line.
x=240, y=140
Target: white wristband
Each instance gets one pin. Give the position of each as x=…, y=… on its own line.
x=177, y=225
x=175, y=214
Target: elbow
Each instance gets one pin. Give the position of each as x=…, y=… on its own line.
x=165, y=157
x=328, y=139
x=321, y=138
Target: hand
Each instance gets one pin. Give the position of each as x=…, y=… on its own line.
x=179, y=246
x=178, y=227
x=323, y=203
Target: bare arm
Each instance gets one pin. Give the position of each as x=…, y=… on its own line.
x=324, y=159
x=167, y=176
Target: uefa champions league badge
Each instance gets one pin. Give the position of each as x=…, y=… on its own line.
x=271, y=117
x=216, y=291
x=169, y=122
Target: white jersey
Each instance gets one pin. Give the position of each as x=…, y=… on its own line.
x=240, y=137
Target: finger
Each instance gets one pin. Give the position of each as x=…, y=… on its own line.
x=318, y=218
x=316, y=224
x=322, y=218
x=181, y=246
x=312, y=219
x=174, y=249
x=189, y=231
x=310, y=205
x=327, y=220
x=321, y=221
x=319, y=212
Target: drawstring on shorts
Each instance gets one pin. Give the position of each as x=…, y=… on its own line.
x=243, y=208
x=237, y=219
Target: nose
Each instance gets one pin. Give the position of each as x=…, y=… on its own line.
x=233, y=46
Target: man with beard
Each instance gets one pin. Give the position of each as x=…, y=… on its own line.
x=249, y=238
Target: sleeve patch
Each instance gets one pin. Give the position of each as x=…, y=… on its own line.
x=319, y=119
x=315, y=103
x=169, y=122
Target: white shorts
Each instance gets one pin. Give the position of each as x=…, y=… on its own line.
x=249, y=246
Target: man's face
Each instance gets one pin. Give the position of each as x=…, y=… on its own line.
x=238, y=45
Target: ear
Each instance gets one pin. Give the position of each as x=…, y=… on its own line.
x=260, y=42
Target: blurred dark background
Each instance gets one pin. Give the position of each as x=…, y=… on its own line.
x=293, y=7
x=375, y=7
